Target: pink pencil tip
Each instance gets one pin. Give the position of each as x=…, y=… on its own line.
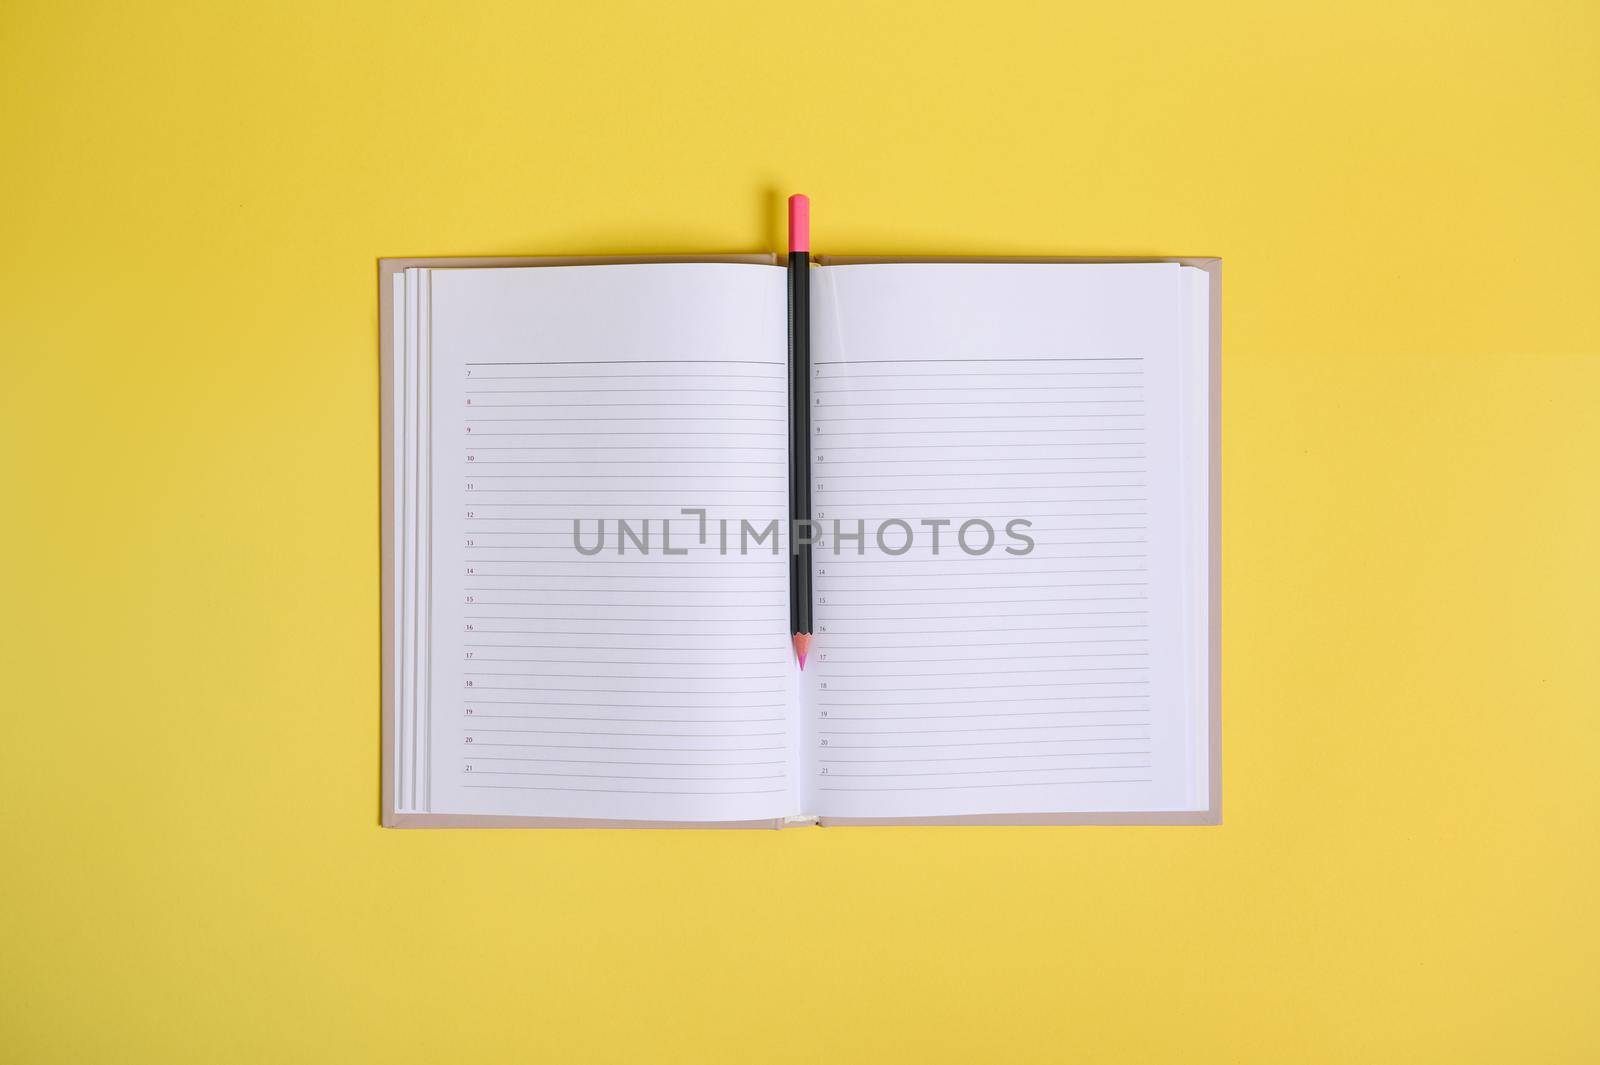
x=802, y=647
x=799, y=224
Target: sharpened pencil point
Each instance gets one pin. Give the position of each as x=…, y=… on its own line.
x=802, y=647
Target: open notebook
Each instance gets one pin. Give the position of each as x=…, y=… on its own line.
x=1015, y=483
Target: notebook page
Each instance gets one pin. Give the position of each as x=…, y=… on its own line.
x=1045, y=669
x=632, y=684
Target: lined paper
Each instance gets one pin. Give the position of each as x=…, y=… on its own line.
x=979, y=681
x=628, y=684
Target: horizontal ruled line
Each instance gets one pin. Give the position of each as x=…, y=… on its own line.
x=978, y=477
x=995, y=672
x=984, y=758
x=624, y=720
x=1003, y=373
x=697, y=389
x=952, y=731
x=474, y=464
x=998, y=658
x=1026, y=614
x=1016, y=502
x=990, y=643
x=631, y=761
x=732, y=662
x=566, y=404
x=647, y=632
x=991, y=462
x=972, y=702
x=878, y=419
x=572, y=488
x=898, y=391
x=622, y=791
x=636, y=362
x=679, y=432
x=616, y=705
x=603, y=676
x=608, y=621
x=626, y=477
x=982, y=743
x=997, y=687
x=990, y=358
x=824, y=446
x=1010, y=560
x=949, y=432
x=619, y=691
x=986, y=772
x=980, y=714
x=986, y=602
x=639, y=577
x=989, y=573
x=1029, y=784
x=639, y=447
x=625, y=735
x=594, y=647
x=639, y=418
x=759, y=562
x=651, y=605
x=654, y=750
x=699, y=779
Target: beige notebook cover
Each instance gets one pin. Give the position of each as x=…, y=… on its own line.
x=393, y=815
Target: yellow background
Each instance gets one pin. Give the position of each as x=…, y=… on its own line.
x=192, y=200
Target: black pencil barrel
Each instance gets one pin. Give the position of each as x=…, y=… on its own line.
x=799, y=440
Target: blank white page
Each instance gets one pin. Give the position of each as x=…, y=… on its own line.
x=620, y=685
x=1062, y=679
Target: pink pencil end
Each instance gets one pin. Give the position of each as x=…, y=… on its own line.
x=802, y=647
x=799, y=224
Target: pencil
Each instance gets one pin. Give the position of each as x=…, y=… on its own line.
x=800, y=425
